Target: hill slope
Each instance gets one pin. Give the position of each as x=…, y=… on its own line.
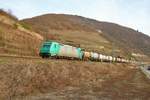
x=15, y=38
x=123, y=37
x=38, y=79
x=62, y=29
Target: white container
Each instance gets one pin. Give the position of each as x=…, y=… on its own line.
x=124, y=60
x=100, y=57
x=119, y=59
x=104, y=57
x=114, y=59
x=110, y=58
x=68, y=51
x=94, y=55
x=107, y=58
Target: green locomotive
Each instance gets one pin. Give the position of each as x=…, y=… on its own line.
x=55, y=49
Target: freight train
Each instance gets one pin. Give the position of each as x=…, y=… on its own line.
x=57, y=50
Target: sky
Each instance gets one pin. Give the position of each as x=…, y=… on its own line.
x=129, y=13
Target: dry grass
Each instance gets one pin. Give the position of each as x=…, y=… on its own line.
x=67, y=80
x=8, y=14
x=16, y=38
x=14, y=41
x=91, y=41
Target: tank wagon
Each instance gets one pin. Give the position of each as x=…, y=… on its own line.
x=86, y=55
x=94, y=56
x=58, y=50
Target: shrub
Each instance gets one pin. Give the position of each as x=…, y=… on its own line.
x=15, y=25
x=26, y=26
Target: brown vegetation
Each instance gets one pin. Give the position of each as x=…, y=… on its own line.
x=70, y=80
x=16, y=38
x=17, y=42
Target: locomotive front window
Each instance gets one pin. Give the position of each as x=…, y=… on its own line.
x=46, y=46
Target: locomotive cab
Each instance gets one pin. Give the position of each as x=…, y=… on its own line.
x=49, y=48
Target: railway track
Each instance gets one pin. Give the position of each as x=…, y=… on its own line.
x=32, y=57
x=36, y=57
x=16, y=56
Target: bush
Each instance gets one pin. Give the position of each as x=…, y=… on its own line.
x=26, y=26
x=15, y=26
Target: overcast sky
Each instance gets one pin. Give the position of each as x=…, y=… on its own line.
x=130, y=13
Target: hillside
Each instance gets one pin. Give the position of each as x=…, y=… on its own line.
x=38, y=79
x=125, y=40
x=16, y=38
